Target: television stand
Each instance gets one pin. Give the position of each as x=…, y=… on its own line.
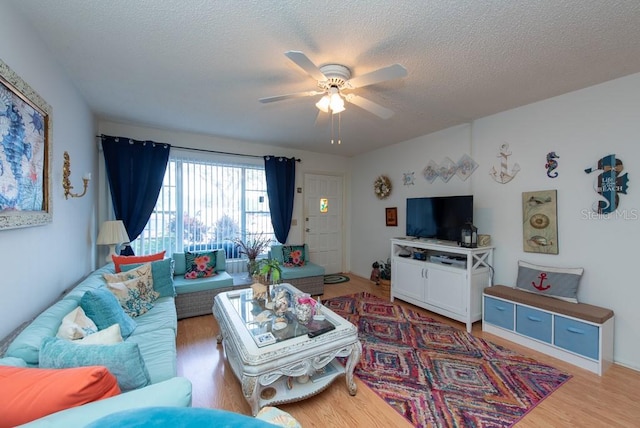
x=449, y=281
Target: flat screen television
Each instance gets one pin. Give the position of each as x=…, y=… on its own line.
x=439, y=217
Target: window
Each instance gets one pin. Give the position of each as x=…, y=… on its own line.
x=204, y=204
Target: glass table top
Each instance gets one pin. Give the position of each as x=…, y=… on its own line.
x=267, y=326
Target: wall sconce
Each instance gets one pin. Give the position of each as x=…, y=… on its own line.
x=66, y=183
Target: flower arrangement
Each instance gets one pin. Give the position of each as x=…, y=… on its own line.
x=252, y=248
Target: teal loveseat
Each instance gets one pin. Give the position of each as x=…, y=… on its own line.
x=194, y=297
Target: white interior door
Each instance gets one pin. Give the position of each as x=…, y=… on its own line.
x=323, y=220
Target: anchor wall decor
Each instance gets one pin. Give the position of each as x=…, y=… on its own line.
x=504, y=175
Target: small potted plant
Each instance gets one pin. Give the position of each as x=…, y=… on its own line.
x=385, y=274
x=269, y=272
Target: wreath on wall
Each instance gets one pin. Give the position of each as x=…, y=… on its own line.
x=382, y=187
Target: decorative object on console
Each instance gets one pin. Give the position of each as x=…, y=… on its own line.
x=539, y=222
x=469, y=236
x=484, y=240
x=66, y=182
x=391, y=215
x=609, y=183
x=504, y=175
x=552, y=164
x=382, y=187
x=25, y=185
x=561, y=283
x=112, y=233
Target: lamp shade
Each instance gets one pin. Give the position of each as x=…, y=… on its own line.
x=112, y=232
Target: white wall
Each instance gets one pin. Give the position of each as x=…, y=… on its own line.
x=38, y=263
x=581, y=127
x=311, y=163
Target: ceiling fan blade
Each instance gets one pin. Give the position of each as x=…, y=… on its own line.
x=370, y=106
x=306, y=64
x=395, y=71
x=288, y=96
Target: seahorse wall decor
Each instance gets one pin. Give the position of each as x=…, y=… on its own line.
x=609, y=183
x=504, y=175
x=552, y=164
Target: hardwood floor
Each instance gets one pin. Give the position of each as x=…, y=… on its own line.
x=586, y=400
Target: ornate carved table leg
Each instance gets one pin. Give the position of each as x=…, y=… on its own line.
x=250, y=392
x=352, y=361
x=219, y=337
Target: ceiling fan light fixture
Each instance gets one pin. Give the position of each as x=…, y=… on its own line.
x=323, y=104
x=337, y=103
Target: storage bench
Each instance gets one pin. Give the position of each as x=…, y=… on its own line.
x=578, y=333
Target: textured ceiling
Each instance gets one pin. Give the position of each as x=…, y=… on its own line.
x=200, y=66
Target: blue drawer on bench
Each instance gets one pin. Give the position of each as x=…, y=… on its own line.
x=498, y=312
x=533, y=323
x=577, y=336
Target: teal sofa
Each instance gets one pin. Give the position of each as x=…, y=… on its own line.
x=154, y=333
x=308, y=278
x=194, y=297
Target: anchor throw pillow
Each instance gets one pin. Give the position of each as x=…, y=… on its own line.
x=560, y=283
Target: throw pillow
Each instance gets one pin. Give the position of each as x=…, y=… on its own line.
x=27, y=394
x=127, y=260
x=76, y=325
x=136, y=296
x=293, y=255
x=123, y=360
x=560, y=283
x=125, y=275
x=104, y=309
x=108, y=336
x=200, y=265
x=162, y=272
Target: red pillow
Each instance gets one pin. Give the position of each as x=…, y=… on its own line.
x=128, y=260
x=27, y=394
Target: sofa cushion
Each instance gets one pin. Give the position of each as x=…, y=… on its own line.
x=293, y=255
x=174, y=392
x=560, y=283
x=76, y=325
x=108, y=336
x=200, y=265
x=93, y=281
x=136, y=295
x=180, y=264
x=31, y=393
x=103, y=308
x=162, y=272
x=309, y=269
x=27, y=344
x=276, y=252
x=123, y=360
x=127, y=260
x=162, y=316
x=179, y=417
x=222, y=279
x=158, y=350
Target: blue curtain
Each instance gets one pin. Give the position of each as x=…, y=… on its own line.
x=135, y=170
x=281, y=180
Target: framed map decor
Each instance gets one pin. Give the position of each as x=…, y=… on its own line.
x=25, y=153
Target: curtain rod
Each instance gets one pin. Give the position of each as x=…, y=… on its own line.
x=216, y=151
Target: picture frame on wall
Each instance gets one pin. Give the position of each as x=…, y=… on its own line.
x=391, y=215
x=25, y=154
x=540, y=222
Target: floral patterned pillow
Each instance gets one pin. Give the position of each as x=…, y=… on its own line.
x=200, y=265
x=293, y=255
x=136, y=295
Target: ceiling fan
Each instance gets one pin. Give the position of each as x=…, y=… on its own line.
x=335, y=82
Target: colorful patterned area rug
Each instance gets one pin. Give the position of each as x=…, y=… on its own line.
x=437, y=375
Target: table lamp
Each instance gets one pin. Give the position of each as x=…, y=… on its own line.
x=112, y=233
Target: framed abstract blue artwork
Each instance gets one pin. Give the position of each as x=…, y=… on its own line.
x=25, y=149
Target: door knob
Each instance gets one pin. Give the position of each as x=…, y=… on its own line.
x=307, y=230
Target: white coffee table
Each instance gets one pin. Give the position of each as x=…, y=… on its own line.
x=276, y=373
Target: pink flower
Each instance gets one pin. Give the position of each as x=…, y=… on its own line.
x=191, y=275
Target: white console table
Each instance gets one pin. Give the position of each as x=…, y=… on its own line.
x=449, y=284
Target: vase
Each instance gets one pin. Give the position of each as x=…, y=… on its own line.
x=304, y=312
x=252, y=267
